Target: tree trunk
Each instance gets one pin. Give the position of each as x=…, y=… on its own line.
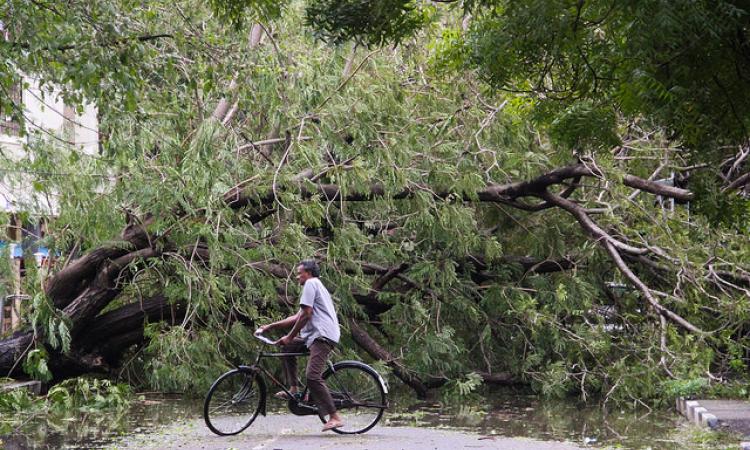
x=368, y=344
x=12, y=350
x=101, y=345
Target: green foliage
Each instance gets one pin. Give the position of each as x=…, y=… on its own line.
x=35, y=365
x=462, y=390
x=17, y=400
x=179, y=361
x=50, y=322
x=237, y=12
x=83, y=394
x=685, y=388
x=720, y=210
x=368, y=23
x=703, y=438
x=702, y=387
x=648, y=58
x=584, y=125
x=89, y=394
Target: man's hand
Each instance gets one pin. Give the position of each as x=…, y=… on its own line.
x=286, y=340
x=262, y=329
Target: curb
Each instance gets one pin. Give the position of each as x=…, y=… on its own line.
x=699, y=415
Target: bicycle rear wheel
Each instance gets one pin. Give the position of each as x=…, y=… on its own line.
x=358, y=393
x=233, y=402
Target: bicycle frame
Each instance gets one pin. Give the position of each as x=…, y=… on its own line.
x=257, y=367
x=268, y=374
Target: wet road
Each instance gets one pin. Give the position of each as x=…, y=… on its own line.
x=287, y=432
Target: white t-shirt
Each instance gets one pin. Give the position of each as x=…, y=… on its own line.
x=323, y=322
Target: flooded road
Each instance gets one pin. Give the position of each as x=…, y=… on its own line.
x=289, y=432
x=172, y=422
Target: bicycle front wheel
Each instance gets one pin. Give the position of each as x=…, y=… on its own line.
x=359, y=394
x=233, y=402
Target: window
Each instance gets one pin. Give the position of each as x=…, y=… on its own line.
x=9, y=123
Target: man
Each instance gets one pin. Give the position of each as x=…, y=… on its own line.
x=318, y=329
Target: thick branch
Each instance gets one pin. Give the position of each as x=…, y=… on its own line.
x=63, y=48
x=68, y=283
x=105, y=287
x=221, y=110
x=499, y=378
x=368, y=344
x=131, y=317
x=542, y=182
x=737, y=183
x=390, y=274
x=498, y=193
x=12, y=350
x=614, y=247
x=242, y=196
x=588, y=224
x=657, y=188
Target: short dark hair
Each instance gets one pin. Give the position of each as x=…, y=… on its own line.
x=310, y=266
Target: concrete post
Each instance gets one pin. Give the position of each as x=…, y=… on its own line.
x=696, y=416
x=690, y=405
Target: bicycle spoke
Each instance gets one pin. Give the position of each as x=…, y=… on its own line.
x=232, y=403
x=359, y=395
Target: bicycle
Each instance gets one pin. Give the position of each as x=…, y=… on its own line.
x=237, y=397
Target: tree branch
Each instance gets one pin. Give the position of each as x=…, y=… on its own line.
x=738, y=182
x=657, y=188
x=368, y=344
x=647, y=292
x=63, y=48
x=588, y=224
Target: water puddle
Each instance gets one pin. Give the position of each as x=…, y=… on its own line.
x=518, y=415
x=98, y=429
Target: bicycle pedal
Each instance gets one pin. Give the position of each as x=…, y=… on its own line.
x=298, y=396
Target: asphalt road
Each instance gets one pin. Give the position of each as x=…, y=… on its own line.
x=288, y=432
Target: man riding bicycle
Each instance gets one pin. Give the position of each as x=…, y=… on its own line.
x=318, y=329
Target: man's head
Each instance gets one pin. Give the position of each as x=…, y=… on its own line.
x=307, y=269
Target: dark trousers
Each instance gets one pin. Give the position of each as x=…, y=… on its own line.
x=316, y=364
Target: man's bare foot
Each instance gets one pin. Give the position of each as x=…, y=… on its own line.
x=333, y=423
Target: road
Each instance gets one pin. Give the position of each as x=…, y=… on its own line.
x=288, y=432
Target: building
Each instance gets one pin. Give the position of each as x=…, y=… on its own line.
x=35, y=115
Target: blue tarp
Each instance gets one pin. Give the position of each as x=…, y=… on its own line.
x=17, y=250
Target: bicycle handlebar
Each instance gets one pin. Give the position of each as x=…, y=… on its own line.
x=263, y=339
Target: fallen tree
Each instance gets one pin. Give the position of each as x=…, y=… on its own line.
x=86, y=287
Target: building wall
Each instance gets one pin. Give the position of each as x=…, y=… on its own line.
x=45, y=115
x=47, y=118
